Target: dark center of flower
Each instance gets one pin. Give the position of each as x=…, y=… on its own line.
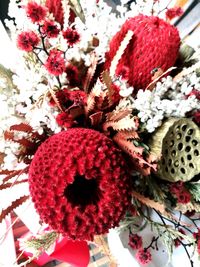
x=82, y=192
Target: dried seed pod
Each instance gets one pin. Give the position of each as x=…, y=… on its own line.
x=177, y=141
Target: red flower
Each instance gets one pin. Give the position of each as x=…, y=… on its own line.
x=72, y=36
x=184, y=197
x=50, y=29
x=27, y=40
x=65, y=120
x=176, y=188
x=143, y=256
x=35, y=12
x=72, y=74
x=177, y=240
x=174, y=12
x=79, y=183
x=135, y=241
x=55, y=63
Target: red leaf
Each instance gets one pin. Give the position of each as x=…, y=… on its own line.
x=22, y=127
x=5, y=186
x=96, y=118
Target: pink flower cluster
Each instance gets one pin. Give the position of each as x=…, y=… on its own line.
x=29, y=40
x=143, y=255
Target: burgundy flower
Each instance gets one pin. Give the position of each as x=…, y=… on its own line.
x=177, y=240
x=176, y=188
x=27, y=40
x=135, y=241
x=79, y=183
x=174, y=12
x=184, y=197
x=35, y=12
x=65, y=120
x=55, y=63
x=72, y=36
x=143, y=256
x=50, y=29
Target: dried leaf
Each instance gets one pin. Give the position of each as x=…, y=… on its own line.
x=53, y=95
x=8, y=185
x=127, y=123
x=22, y=127
x=8, y=135
x=96, y=92
x=13, y=174
x=96, y=118
x=107, y=80
x=118, y=115
x=13, y=206
x=150, y=203
x=76, y=7
x=120, y=52
x=90, y=72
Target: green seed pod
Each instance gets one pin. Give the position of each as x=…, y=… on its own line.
x=177, y=141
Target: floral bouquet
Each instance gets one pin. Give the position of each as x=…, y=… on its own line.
x=100, y=119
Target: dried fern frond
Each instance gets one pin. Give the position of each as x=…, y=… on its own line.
x=150, y=203
x=53, y=95
x=118, y=115
x=96, y=118
x=95, y=92
x=126, y=123
x=13, y=206
x=107, y=80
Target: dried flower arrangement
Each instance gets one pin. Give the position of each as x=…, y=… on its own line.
x=100, y=118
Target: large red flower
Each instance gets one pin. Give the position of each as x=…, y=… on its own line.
x=79, y=184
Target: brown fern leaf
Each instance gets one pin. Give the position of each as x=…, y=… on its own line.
x=25, y=142
x=117, y=115
x=90, y=72
x=150, y=203
x=53, y=95
x=128, y=135
x=6, y=172
x=22, y=127
x=96, y=118
x=14, y=173
x=13, y=206
x=9, y=135
x=107, y=80
x=91, y=99
x=8, y=185
x=127, y=123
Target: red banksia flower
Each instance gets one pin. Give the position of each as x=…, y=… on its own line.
x=143, y=256
x=27, y=40
x=50, y=29
x=135, y=241
x=79, y=184
x=72, y=36
x=35, y=12
x=155, y=44
x=55, y=63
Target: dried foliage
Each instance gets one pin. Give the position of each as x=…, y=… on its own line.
x=90, y=72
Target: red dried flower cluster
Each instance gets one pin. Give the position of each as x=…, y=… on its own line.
x=65, y=120
x=135, y=241
x=155, y=44
x=79, y=184
x=72, y=36
x=50, y=29
x=180, y=192
x=27, y=40
x=72, y=74
x=35, y=12
x=171, y=13
x=55, y=63
x=177, y=242
x=143, y=256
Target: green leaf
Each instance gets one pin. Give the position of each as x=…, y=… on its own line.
x=7, y=75
x=194, y=190
x=186, y=52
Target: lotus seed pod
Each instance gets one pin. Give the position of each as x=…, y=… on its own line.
x=177, y=142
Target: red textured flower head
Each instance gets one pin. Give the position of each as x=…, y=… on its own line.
x=35, y=12
x=79, y=184
x=27, y=40
x=55, y=63
x=71, y=36
x=155, y=44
